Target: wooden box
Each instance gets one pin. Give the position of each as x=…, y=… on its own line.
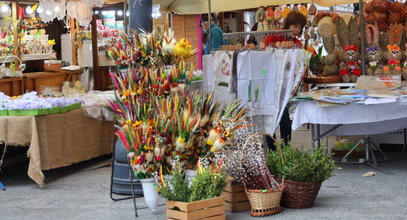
x=213, y=209
x=235, y=197
x=34, y=81
x=12, y=86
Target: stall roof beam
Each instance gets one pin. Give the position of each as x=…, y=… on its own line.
x=201, y=6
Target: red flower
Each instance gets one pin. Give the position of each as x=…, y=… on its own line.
x=351, y=47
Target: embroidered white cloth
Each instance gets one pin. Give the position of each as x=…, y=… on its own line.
x=223, y=63
x=270, y=76
x=80, y=11
x=266, y=80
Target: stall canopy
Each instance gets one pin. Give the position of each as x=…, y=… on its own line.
x=201, y=6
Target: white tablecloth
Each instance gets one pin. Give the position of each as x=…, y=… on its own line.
x=355, y=119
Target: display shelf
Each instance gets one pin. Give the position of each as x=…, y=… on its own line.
x=260, y=36
x=12, y=86
x=34, y=81
x=29, y=57
x=258, y=33
x=3, y=59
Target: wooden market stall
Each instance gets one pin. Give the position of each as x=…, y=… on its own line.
x=30, y=62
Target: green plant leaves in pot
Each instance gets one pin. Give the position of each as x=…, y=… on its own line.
x=301, y=166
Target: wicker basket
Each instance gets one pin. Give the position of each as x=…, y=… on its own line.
x=52, y=66
x=299, y=195
x=264, y=202
x=322, y=79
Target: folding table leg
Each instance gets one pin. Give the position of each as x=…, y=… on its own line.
x=344, y=158
x=377, y=148
x=369, y=151
x=312, y=137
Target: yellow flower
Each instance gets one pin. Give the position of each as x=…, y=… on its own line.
x=137, y=123
x=139, y=91
x=148, y=147
x=209, y=142
x=126, y=92
x=51, y=42
x=213, y=149
x=181, y=140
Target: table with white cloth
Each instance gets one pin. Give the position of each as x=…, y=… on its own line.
x=351, y=119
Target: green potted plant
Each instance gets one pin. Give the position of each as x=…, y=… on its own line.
x=201, y=199
x=303, y=173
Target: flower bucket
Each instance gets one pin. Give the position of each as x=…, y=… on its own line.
x=150, y=193
x=167, y=179
x=190, y=175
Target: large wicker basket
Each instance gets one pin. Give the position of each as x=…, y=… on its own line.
x=264, y=202
x=299, y=195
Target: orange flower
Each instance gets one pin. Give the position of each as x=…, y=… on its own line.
x=393, y=47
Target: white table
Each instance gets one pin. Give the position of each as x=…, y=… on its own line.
x=352, y=119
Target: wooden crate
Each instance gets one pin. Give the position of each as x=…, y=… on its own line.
x=235, y=197
x=34, y=81
x=12, y=86
x=210, y=209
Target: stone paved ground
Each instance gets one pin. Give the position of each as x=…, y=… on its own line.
x=82, y=192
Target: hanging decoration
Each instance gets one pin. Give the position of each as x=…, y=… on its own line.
x=79, y=10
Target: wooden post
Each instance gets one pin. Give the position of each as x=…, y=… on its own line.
x=96, y=69
x=15, y=32
x=73, y=27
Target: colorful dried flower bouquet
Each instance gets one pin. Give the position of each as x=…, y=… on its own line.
x=158, y=116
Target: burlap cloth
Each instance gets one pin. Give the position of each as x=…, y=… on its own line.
x=57, y=140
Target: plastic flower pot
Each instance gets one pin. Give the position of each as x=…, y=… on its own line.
x=190, y=175
x=150, y=194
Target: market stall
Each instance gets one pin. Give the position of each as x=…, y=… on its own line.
x=57, y=140
x=26, y=46
x=43, y=100
x=381, y=93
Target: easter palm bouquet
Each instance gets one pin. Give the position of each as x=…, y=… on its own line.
x=158, y=117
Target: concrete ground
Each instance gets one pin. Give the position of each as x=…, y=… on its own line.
x=81, y=191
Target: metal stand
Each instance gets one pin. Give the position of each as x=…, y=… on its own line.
x=370, y=146
x=2, y=187
x=133, y=196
